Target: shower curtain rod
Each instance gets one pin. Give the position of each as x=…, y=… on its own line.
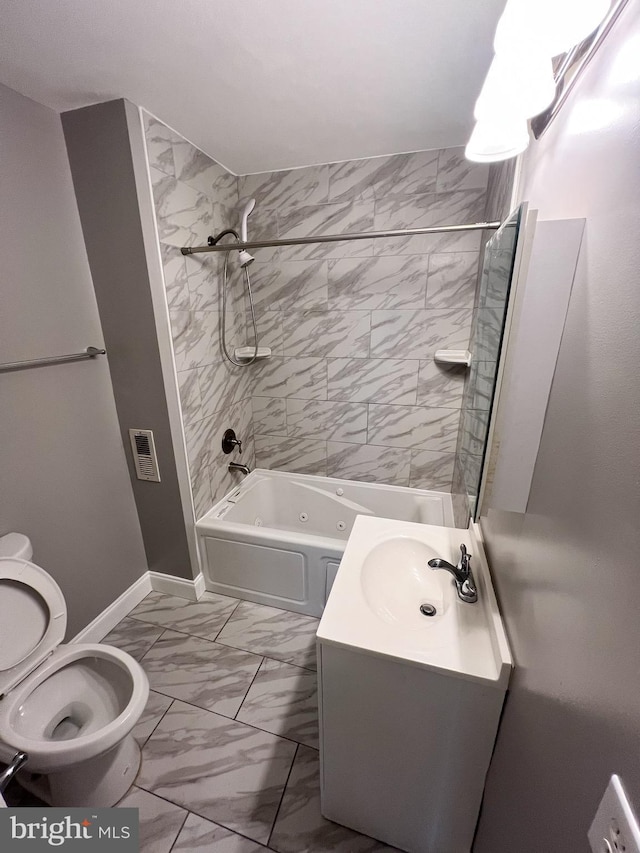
x=337, y=238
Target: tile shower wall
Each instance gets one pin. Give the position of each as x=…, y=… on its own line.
x=352, y=389
x=195, y=197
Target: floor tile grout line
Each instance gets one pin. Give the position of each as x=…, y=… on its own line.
x=231, y=719
x=275, y=819
x=186, y=818
x=278, y=660
x=247, y=690
x=178, y=631
x=162, y=716
x=157, y=639
x=227, y=620
x=198, y=814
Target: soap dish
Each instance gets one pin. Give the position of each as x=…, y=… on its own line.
x=453, y=356
x=246, y=353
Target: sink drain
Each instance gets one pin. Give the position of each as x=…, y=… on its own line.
x=428, y=610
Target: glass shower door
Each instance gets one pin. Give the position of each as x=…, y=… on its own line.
x=485, y=346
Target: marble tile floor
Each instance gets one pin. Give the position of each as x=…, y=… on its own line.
x=229, y=737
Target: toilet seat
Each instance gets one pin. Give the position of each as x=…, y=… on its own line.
x=47, y=754
x=33, y=619
x=102, y=686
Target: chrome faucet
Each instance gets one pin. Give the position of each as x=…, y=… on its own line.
x=10, y=771
x=238, y=466
x=462, y=574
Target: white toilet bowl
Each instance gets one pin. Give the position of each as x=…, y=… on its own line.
x=70, y=708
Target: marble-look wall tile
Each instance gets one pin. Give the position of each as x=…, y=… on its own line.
x=269, y=324
x=196, y=338
x=289, y=285
x=222, y=385
x=204, y=281
x=327, y=420
x=452, y=280
x=160, y=139
x=379, y=177
x=440, y=384
x=368, y=463
x=425, y=244
x=352, y=325
x=410, y=426
x=418, y=334
x=327, y=219
x=329, y=334
x=175, y=277
x=364, y=380
x=426, y=211
x=184, y=216
x=431, y=470
x=298, y=455
x=455, y=172
x=190, y=400
x=194, y=168
x=305, y=378
x=286, y=188
x=269, y=416
x=378, y=282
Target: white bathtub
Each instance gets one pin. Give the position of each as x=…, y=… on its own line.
x=278, y=538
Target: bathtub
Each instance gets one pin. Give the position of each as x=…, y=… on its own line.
x=278, y=538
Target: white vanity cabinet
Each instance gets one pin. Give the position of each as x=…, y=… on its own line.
x=409, y=708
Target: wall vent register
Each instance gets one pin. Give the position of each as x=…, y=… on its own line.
x=144, y=454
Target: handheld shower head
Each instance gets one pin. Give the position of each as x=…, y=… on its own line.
x=244, y=257
x=247, y=210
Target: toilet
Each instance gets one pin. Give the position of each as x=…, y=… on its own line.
x=71, y=707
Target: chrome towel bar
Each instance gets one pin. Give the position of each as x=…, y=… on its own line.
x=90, y=352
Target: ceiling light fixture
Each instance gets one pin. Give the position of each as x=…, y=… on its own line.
x=497, y=139
x=520, y=83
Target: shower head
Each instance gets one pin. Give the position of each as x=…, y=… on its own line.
x=247, y=210
x=245, y=257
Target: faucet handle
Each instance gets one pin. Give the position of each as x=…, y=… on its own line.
x=465, y=558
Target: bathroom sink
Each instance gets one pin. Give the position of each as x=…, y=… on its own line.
x=396, y=584
x=383, y=582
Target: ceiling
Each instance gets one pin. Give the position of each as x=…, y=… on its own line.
x=263, y=84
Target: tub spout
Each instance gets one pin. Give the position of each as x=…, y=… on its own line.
x=238, y=466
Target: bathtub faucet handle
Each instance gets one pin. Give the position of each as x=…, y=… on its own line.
x=229, y=441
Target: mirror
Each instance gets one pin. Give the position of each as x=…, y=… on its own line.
x=489, y=315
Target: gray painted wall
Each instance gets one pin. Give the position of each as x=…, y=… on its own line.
x=63, y=472
x=100, y=153
x=567, y=570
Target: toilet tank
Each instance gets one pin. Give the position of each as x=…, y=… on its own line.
x=16, y=546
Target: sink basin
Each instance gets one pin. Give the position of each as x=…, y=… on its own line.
x=383, y=580
x=396, y=581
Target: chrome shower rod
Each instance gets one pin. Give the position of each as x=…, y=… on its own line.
x=337, y=238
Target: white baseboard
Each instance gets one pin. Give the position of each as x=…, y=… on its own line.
x=199, y=586
x=106, y=621
x=181, y=587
